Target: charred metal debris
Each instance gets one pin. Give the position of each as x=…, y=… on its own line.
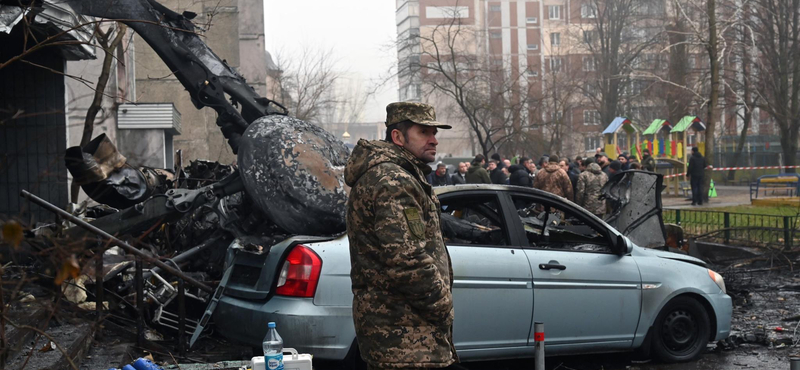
x=162, y=237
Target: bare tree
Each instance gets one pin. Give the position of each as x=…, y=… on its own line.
x=617, y=33
x=562, y=94
x=776, y=28
x=743, y=81
x=712, y=26
x=306, y=82
x=109, y=41
x=494, y=97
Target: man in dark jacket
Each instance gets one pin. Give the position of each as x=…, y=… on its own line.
x=623, y=160
x=476, y=174
x=498, y=175
x=696, y=172
x=460, y=177
x=573, y=176
x=603, y=162
x=440, y=176
x=613, y=168
x=520, y=175
x=400, y=270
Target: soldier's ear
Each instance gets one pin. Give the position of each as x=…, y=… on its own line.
x=398, y=138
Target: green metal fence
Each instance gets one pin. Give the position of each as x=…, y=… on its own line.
x=737, y=228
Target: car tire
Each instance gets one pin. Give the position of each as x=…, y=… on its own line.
x=681, y=331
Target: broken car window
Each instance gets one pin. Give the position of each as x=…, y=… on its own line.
x=473, y=221
x=549, y=227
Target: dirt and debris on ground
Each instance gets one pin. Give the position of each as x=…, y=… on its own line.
x=765, y=332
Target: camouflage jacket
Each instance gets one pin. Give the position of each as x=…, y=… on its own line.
x=400, y=269
x=553, y=179
x=589, y=189
x=648, y=163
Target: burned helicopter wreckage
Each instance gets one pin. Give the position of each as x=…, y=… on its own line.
x=289, y=178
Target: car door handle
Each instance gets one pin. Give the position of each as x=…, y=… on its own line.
x=550, y=266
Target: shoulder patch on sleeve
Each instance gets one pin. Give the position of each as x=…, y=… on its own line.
x=414, y=222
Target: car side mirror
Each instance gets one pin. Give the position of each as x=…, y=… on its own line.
x=622, y=245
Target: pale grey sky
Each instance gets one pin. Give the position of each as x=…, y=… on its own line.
x=359, y=31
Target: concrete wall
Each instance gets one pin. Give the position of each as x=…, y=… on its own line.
x=235, y=33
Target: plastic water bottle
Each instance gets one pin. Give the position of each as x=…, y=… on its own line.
x=273, y=349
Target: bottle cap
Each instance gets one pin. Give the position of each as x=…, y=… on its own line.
x=271, y=325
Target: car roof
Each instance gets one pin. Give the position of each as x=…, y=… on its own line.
x=449, y=189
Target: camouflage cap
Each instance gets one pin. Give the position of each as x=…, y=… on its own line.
x=419, y=113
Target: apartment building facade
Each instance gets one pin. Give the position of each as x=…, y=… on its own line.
x=546, y=45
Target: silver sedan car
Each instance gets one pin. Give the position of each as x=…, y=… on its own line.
x=519, y=256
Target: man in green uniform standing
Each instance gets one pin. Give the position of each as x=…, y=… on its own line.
x=400, y=269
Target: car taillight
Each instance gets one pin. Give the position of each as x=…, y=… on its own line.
x=300, y=273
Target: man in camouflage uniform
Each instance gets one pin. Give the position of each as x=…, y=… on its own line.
x=400, y=269
x=553, y=179
x=648, y=163
x=590, y=186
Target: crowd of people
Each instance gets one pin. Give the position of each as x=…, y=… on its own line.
x=579, y=180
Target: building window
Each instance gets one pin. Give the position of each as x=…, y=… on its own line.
x=555, y=39
x=554, y=11
x=589, y=89
x=555, y=64
x=437, y=12
x=531, y=20
x=590, y=36
x=591, y=143
x=589, y=64
x=588, y=10
x=495, y=35
x=532, y=73
x=494, y=8
x=533, y=46
x=591, y=117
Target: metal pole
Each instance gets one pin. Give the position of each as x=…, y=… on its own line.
x=127, y=247
x=538, y=338
x=787, y=232
x=181, y=318
x=794, y=363
x=98, y=288
x=139, y=281
x=727, y=225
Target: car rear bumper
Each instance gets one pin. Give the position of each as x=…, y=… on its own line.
x=327, y=332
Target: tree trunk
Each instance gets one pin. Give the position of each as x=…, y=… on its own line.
x=789, y=144
x=713, y=100
x=99, y=90
x=748, y=108
x=748, y=115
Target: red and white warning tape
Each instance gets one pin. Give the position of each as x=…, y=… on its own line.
x=737, y=168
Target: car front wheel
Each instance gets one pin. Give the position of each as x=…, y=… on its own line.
x=681, y=330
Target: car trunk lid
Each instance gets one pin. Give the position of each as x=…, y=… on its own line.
x=254, y=274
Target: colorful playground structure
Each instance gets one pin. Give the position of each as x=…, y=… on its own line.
x=669, y=145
